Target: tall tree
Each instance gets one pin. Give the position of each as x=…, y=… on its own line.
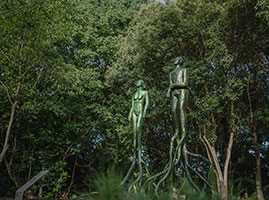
x=26, y=28
x=248, y=43
x=64, y=112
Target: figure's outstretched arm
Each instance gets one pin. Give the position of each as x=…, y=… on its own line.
x=132, y=108
x=146, y=103
x=170, y=84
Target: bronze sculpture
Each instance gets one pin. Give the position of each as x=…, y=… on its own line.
x=178, y=90
x=178, y=154
x=178, y=80
x=140, y=102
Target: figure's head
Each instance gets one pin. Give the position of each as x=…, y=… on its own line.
x=178, y=61
x=140, y=83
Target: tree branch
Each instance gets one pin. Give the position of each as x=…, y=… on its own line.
x=8, y=95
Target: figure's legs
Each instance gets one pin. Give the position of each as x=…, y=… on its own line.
x=182, y=116
x=182, y=111
x=176, y=122
x=134, y=150
x=174, y=137
x=139, y=137
x=176, y=125
x=139, y=141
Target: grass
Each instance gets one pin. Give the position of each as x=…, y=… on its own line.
x=108, y=187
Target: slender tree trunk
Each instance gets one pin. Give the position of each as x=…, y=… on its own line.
x=222, y=176
x=5, y=146
x=224, y=191
x=224, y=194
x=40, y=192
x=72, y=177
x=258, y=159
x=253, y=113
x=13, y=110
x=222, y=187
x=258, y=168
x=9, y=164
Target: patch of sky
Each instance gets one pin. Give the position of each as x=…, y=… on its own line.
x=179, y=169
x=165, y=1
x=211, y=72
x=39, y=69
x=265, y=58
x=97, y=140
x=266, y=144
x=252, y=152
x=144, y=156
x=68, y=49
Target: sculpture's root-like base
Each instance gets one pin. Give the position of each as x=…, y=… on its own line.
x=179, y=156
x=137, y=183
x=138, y=179
x=130, y=169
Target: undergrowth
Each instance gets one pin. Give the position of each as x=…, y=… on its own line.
x=108, y=187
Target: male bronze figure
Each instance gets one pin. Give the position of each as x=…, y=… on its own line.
x=178, y=80
x=178, y=90
x=178, y=154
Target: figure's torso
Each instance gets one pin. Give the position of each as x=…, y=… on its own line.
x=139, y=98
x=179, y=76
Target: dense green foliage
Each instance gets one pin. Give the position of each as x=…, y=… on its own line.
x=67, y=73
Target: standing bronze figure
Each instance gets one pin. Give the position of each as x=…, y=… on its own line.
x=140, y=102
x=178, y=90
x=178, y=87
x=178, y=153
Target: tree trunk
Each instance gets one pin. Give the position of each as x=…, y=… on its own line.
x=5, y=146
x=13, y=110
x=222, y=186
x=9, y=164
x=224, y=191
x=258, y=160
x=258, y=168
x=253, y=113
x=222, y=176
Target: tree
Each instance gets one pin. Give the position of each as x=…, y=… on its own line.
x=26, y=28
x=63, y=111
x=249, y=45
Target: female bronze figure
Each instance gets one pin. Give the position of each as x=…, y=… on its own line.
x=140, y=102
